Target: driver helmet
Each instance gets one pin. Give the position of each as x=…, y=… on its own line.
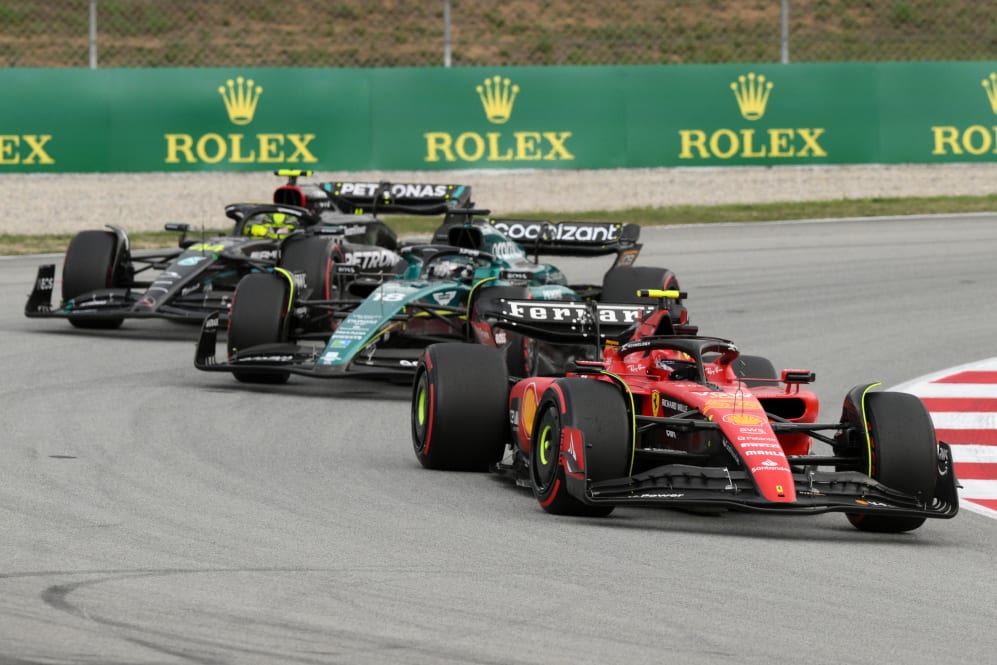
x=269, y=225
x=452, y=268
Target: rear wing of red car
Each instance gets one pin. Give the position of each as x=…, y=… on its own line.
x=568, y=322
x=359, y=197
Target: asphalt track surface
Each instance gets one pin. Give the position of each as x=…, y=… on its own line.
x=153, y=514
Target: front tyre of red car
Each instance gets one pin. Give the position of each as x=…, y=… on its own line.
x=595, y=410
x=903, y=455
x=460, y=407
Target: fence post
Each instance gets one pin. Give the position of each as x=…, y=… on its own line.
x=784, y=30
x=446, y=33
x=93, y=34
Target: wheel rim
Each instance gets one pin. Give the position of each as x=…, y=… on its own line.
x=420, y=416
x=547, y=449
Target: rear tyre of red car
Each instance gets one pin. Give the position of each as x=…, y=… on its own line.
x=460, y=416
x=259, y=316
x=597, y=411
x=89, y=266
x=620, y=285
x=903, y=455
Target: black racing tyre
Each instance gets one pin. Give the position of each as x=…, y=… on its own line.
x=620, y=285
x=597, y=410
x=519, y=351
x=904, y=455
x=259, y=316
x=312, y=257
x=460, y=411
x=755, y=367
x=89, y=266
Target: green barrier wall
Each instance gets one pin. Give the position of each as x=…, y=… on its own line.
x=114, y=120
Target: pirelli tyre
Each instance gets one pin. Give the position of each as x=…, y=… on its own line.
x=902, y=454
x=259, y=316
x=595, y=411
x=620, y=285
x=312, y=257
x=459, y=407
x=90, y=265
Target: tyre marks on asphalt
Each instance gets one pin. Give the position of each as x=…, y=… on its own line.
x=963, y=405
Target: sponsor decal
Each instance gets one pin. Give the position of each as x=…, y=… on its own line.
x=444, y=297
x=974, y=139
x=267, y=358
x=397, y=190
x=498, y=98
x=753, y=438
x=751, y=93
x=751, y=430
x=373, y=259
x=45, y=284
x=507, y=251
x=191, y=260
x=187, y=290
x=529, y=407
x=241, y=97
x=769, y=465
x=570, y=312
x=660, y=495
x=265, y=254
x=25, y=149
x=329, y=357
x=562, y=232
x=674, y=406
x=655, y=402
x=766, y=451
x=765, y=443
x=340, y=343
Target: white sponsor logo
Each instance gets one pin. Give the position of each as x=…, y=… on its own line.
x=443, y=297
x=560, y=232
x=372, y=259
x=412, y=190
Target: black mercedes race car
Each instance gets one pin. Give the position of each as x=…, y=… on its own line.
x=307, y=230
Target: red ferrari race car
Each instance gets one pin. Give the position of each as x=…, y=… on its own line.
x=675, y=420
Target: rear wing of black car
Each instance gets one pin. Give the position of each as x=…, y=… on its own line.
x=358, y=197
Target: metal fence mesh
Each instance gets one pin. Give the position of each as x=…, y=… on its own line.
x=396, y=33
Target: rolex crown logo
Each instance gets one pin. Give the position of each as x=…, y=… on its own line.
x=240, y=98
x=990, y=85
x=497, y=96
x=752, y=93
